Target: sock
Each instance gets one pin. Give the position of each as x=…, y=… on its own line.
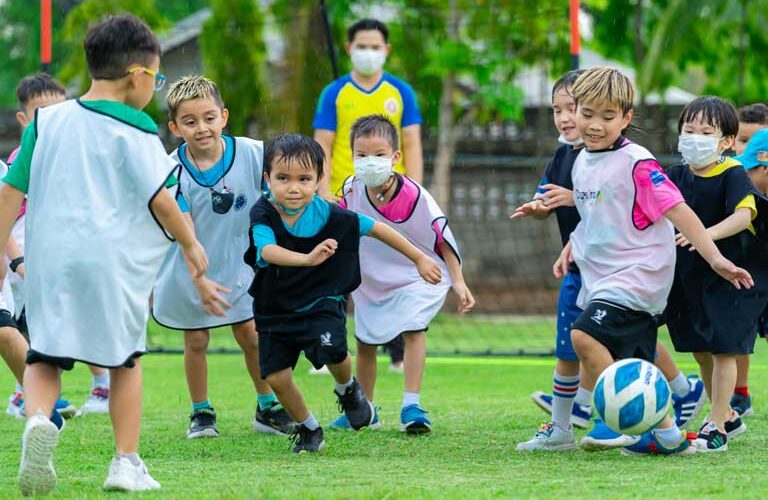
x=564, y=389
x=311, y=422
x=410, y=398
x=19, y=388
x=669, y=438
x=583, y=397
x=742, y=391
x=342, y=388
x=101, y=380
x=265, y=400
x=56, y=418
x=132, y=457
x=201, y=406
x=680, y=385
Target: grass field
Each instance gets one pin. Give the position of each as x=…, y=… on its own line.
x=480, y=408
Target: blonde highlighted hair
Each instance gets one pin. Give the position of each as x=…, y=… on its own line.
x=605, y=85
x=188, y=88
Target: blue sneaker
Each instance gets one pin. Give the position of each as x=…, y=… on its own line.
x=341, y=423
x=602, y=437
x=649, y=445
x=742, y=404
x=65, y=408
x=413, y=420
x=580, y=414
x=688, y=407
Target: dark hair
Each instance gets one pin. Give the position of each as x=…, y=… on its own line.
x=567, y=80
x=368, y=25
x=714, y=110
x=374, y=126
x=37, y=85
x=294, y=148
x=116, y=43
x=754, y=113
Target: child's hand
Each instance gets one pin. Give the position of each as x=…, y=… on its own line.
x=429, y=270
x=466, y=300
x=683, y=242
x=557, y=196
x=322, y=252
x=20, y=270
x=560, y=268
x=197, y=258
x=737, y=276
x=535, y=208
x=210, y=295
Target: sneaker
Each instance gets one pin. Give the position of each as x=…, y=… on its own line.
x=323, y=370
x=602, y=437
x=341, y=423
x=396, y=367
x=97, y=402
x=649, y=445
x=124, y=476
x=36, y=473
x=711, y=439
x=273, y=420
x=742, y=404
x=355, y=406
x=735, y=426
x=580, y=414
x=16, y=405
x=688, y=407
x=413, y=420
x=307, y=441
x=549, y=437
x=65, y=408
x=202, y=424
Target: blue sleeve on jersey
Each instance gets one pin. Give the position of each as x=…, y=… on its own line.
x=366, y=224
x=182, y=203
x=262, y=236
x=539, y=190
x=325, y=113
x=411, y=113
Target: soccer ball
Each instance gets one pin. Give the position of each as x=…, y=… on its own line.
x=632, y=396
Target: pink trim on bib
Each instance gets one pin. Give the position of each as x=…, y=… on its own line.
x=401, y=206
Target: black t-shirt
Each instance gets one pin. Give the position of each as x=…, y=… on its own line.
x=558, y=172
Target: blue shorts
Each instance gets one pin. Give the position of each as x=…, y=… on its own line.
x=567, y=312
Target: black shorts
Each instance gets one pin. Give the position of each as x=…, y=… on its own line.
x=321, y=333
x=624, y=332
x=6, y=320
x=69, y=363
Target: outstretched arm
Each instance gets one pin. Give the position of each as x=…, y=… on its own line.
x=167, y=212
x=427, y=267
x=279, y=256
x=735, y=223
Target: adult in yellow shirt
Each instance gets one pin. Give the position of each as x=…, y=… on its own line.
x=366, y=90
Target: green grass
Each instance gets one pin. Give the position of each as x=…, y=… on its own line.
x=480, y=408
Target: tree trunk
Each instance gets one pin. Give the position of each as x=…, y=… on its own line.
x=640, y=49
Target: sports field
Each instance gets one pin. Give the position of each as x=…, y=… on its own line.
x=480, y=407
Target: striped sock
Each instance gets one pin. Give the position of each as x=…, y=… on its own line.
x=265, y=400
x=563, y=391
x=201, y=405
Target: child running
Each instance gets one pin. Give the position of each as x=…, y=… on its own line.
x=88, y=286
x=705, y=315
x=393, y=298
x=305, y=253
x=624, y=244
x=219, y=181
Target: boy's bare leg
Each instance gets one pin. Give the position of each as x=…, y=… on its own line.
x=365, y=367
x=42, y=385
x=342, y=372
x=742, y=370
x=415, y=360
x=196, y=364
x=593, y=355
x=288, y=394
x=706, y=364
x=723, y=383
x=13, y=349
x=125, y=407
x=248, y=339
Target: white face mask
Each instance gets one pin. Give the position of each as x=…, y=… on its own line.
x=699, y=151
x=575, y=143
x=373, y=170
x=368, y=61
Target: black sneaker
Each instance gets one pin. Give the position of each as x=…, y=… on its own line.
x=710, y=439
x=735, y=426
x=273, y=420
x=356, y=407
x=742, y=404
x=202, y=424
x=307, y=441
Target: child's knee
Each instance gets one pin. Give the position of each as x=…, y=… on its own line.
x=278, y=380
x=581, y=342
x=196, y=341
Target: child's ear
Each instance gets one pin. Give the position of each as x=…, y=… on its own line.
x=174, y=128
x=224, y=117
x=627, y=119
x=396, y=157
x=22, y=119
x=727, y=142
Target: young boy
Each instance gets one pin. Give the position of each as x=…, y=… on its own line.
x=96, y=167
x=305, y=254
x=752, y=117
x=35, y=92
x=220, y=178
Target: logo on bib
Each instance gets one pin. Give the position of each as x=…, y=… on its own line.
x=240, y=202
x=657, y=177
x=391, y=106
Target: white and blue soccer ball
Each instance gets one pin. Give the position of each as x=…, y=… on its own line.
x=632, y=396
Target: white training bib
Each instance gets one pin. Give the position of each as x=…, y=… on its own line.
x=176, y=303
x=93, y=247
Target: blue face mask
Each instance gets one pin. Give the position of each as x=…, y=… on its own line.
x=285, y=210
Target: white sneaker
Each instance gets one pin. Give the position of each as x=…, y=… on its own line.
x=36, y=473
x=549, y=437
x=393, y=368
x=319, y=371
x=124, y=476
x=98, y=401
x=16, y=405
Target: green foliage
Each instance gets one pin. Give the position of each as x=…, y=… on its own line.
x=234, y=55
x=175, y=10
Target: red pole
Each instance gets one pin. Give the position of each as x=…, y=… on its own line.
x=575, y=38
x=46, y=29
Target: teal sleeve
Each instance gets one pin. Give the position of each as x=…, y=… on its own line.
x=366, y=224
x=182, y=203
x=18, y=175
x=262, y=236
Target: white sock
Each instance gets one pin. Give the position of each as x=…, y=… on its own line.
x=19, y=388
x=132, y=457
x=564, y=390
x=583, y=397
x=341, y=388
x=101, y=380
x=669, y=438
x=311, y=422
x=680, y=385
x=410, y=398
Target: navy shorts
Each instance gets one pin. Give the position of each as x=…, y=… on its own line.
x=624, y=332
x=567, y=313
